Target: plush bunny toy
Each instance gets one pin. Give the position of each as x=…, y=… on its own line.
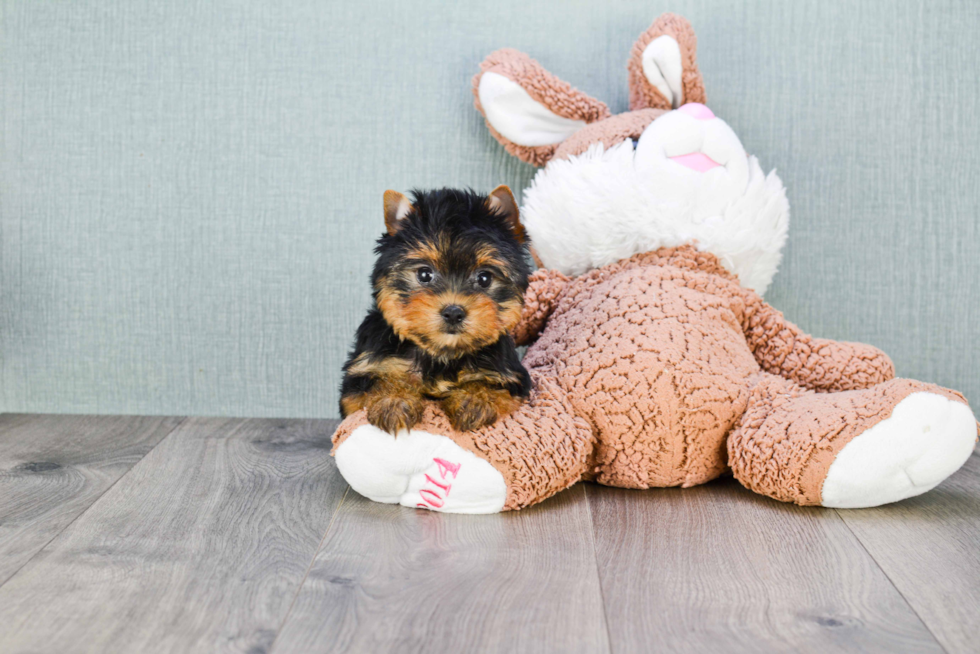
x=654, y=359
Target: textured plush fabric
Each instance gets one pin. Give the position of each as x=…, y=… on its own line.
x=645, y=96
x=190, y=191
x=653, y=356
x=814, y=363
x=557, y=96
x=788, y=437
x=649, y=373
x=608, y=132
x=546, y=286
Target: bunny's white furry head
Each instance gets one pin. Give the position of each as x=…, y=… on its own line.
x=667, y=173
x=607, y=204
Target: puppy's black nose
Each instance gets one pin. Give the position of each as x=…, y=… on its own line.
x=453, y=314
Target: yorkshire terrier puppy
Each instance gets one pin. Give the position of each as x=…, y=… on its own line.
x=449, y=286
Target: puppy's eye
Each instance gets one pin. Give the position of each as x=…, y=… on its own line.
x=424, y=275
x=484, y=279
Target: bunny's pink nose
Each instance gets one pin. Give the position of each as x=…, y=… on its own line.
x=697, y=110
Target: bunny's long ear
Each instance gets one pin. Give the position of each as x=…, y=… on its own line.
x=529, y=110
x=663, y=66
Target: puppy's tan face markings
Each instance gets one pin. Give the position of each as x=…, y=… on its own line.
x=415, y=296
x=489, y=258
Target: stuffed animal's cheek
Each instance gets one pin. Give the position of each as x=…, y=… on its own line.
x=694, y=159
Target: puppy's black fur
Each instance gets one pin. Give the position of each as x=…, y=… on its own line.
x=449, y=285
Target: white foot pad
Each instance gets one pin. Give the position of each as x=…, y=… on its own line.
x=925, y=440
x=419, y=469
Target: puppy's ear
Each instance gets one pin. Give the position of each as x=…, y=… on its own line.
x=502, y=201
x=397, y=207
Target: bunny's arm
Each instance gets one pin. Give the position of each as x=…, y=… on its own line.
x=819, y=364
x=540, y=299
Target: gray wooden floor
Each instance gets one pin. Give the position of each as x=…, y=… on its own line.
x=131, y=534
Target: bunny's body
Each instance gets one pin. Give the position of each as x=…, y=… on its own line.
x=654, y=359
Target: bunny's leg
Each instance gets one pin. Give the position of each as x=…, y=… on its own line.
x=818, y=364
x=519, y=460
x=850, y=449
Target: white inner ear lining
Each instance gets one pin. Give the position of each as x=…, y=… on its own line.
x=496, y=203
x=404, y=206
x=663, y=68
x=518, y=117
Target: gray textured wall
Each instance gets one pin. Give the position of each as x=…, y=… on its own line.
x=189, y=191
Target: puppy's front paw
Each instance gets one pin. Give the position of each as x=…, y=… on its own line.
x=475, y=407
x=471, y=412
x=393, y=413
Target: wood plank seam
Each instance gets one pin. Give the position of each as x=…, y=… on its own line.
x=180, y=420
x=595, y=554
x=299, y=587
x=719, y=567
x=517, y=582
x=198, y=550
x=890, y=580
